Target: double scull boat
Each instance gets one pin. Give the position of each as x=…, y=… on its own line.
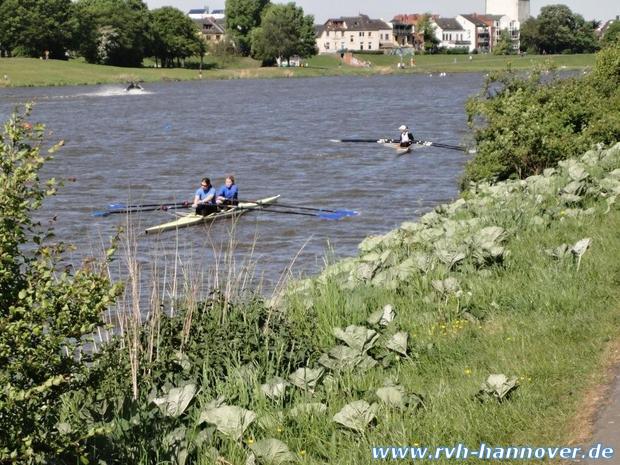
x=191, y=219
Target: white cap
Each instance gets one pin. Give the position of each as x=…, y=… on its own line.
x=403, y=128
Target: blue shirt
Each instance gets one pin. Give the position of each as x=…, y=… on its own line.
x=229, y=193
x=203, y=193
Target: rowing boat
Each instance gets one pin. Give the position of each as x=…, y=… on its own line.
x=399, y=150
x=191, y=219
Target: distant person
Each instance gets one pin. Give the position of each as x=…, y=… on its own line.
x=133, y=85
x=228, y=194
x=406, y=138
x=204, y=198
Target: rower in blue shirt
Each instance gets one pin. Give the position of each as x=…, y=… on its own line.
x=228, y=194
x=204, y=199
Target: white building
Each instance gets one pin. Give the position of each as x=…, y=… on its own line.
x=516, y=10
x=357, y=33
x=450, y=33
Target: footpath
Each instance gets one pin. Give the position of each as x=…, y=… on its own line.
x=606, y=427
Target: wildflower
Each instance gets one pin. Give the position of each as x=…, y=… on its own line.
x=280, y=430
x=250, y=441
x=302, y=452
x=467, y=371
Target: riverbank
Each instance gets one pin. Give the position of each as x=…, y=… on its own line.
x=484, y=322
x=28, y=72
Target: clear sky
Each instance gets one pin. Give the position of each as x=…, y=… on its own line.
x=386, y=9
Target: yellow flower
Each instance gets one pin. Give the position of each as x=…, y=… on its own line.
x=467, y=371
x=416, y=444
x=280, y=430
x=250, y=441
x=302, y=452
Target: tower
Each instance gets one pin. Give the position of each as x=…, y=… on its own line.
x=518, y=10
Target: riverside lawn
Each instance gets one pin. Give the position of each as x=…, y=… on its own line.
x=498, y=282
x=32, y=72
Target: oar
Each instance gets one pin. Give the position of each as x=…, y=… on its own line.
x=363, y=141
x=325, y=216
x=122, y=206
x=429, y=143
x=340, y=211
x=138, y=210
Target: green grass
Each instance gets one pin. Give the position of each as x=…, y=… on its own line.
x=34, y=72
x=543, y=320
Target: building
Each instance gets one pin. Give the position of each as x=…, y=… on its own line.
x=499, y=23
x=356, y=33
x=212, y=30
x=477, y=32
x=450, y=33
x=602, y=29
x=406, y=30
x=198, y=13
x=516, y=10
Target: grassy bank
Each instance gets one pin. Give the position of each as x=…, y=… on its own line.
x=519, y=278
x=33, y=72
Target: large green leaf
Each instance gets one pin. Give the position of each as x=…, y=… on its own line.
x=176, y=401
x=307, y=378
x=228, y=419
x=356, y=415
x=272, y=452
x=359, y=338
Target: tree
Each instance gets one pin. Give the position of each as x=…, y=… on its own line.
x=242, y=16
x=504, y=44
x=558, y=30
x=426, y=28
x=46, y=308
x=113, y=32
x=612, y=34
x=31, y=27
x=529, y=36
x=523, y=125
x=284, y=32
x=175, y=36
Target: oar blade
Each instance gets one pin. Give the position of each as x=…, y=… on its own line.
x=101, y=214
x=345, y=212
x=332, y=215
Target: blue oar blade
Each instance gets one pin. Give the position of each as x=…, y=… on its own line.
x=117, y=206
x=332, y=216
x=345, y=212
x=100, y=214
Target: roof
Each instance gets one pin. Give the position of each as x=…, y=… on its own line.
x=355, y=23
x=475, y=19
x=448, y=24
x=411, y=18
x=318, y=30
x=210, y=26
x=198, y=11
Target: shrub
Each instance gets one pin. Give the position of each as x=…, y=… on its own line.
x=46, y=306
x=523, y=125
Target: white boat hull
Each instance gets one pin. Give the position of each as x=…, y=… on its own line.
x=191, y=219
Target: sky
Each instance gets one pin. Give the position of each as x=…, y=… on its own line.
x=387, y=9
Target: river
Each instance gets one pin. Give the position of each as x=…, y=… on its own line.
x=274, y=136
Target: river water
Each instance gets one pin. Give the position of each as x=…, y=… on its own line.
x=274, y=135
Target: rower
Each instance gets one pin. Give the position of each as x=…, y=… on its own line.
x=228, y=193
x=406, y=138
x=204, y=198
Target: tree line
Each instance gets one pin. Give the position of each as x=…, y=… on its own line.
x=124, y=32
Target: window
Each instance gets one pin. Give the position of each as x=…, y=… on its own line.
x=351, y=38
x=341, y=45
x=326, y=45
x=369, y=33
x=369, y=45
x=361, y=34
x=361, y=46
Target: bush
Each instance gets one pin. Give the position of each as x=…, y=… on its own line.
x=46, y=306
x=523, y=125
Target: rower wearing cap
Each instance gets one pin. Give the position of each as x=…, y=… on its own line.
x=406, y=138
